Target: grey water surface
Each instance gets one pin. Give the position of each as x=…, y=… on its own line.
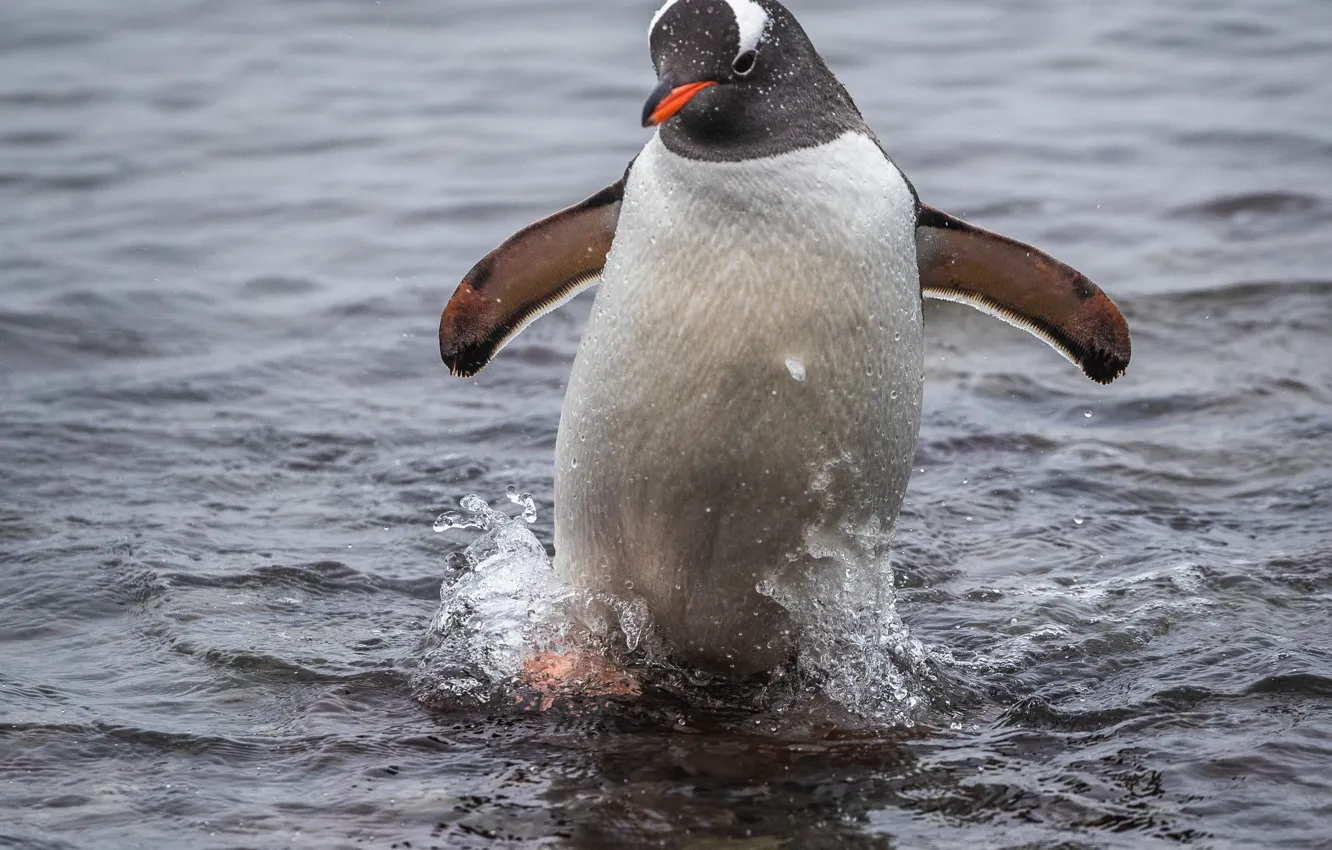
x=227, y=231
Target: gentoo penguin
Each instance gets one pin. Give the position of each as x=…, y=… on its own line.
x=747, y=395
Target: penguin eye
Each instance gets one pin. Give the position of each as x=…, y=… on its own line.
x=744, y=63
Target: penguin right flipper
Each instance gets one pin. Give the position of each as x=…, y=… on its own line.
x=1025, y=287
x=534, y=271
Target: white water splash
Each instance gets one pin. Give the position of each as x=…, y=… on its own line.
x=508, y=604
x=504, y=606
x=476, y=513
x=854, y=646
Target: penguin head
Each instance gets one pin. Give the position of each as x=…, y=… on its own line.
x=739, y=75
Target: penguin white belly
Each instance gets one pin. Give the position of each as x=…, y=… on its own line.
x=749, y=381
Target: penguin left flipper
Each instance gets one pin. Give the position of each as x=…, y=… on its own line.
x=1026, y=288
x=534, y=271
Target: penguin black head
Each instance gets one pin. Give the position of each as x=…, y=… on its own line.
x=739, y=79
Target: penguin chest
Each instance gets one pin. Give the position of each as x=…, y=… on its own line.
x=753, y=358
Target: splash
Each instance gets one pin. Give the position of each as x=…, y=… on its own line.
x=504, y=606
x=506, y=609
x=477, y=513
x=854, y=646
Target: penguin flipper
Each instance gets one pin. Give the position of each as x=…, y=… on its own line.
x=531, y=273
x=1026, y=288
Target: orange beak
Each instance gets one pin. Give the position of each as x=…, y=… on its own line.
x=669, y=99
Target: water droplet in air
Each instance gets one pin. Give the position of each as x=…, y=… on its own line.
x=528, y=504
x=1087, y=414
x=475, y=513
x=474, y=503
x=1077, y=520
x=453, y=519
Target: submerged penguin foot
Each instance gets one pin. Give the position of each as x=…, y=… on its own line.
x=555, y=675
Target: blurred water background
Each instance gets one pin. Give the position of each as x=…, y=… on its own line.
x=227, y=230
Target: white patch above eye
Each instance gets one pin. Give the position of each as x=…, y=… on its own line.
x=652, y=27
x=753, y=20
x=750, y=17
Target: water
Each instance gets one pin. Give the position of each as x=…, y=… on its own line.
x=227, y=230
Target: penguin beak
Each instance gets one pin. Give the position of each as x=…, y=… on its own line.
x=668, y=98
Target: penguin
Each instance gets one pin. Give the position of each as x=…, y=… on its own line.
x=745, y=403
